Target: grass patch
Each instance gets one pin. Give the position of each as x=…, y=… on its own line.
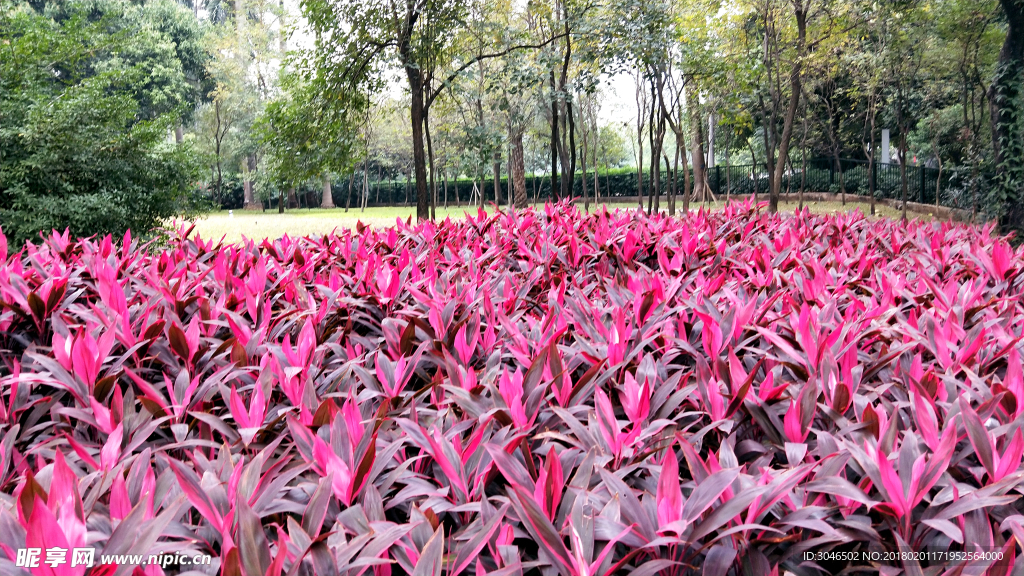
x=311, y=222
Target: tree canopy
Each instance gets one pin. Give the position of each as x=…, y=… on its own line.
x=117, y=114
x=88, y=94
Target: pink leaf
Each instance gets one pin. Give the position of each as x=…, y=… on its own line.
x=120, y=505
x=111, y=451
x=636, y=399
x=550, y=482
x=1010, y=460
x=670, y=495
x=891, y=482
x=327, y=462
x=607, y=423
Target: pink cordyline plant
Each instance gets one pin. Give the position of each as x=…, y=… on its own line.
x=542, y=392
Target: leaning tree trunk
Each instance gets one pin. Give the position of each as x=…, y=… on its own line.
x=1004, y=106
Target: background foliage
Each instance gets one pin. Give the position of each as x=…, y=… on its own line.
x=89, y=92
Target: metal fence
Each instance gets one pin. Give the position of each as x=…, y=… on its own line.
x=957, y=187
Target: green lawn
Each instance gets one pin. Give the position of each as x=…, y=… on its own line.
x=304, y=222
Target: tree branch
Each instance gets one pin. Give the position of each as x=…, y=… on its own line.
x=451, y=78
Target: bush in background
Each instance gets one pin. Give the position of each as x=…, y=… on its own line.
x=89, y=95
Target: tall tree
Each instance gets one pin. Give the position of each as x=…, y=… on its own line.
x=358, y=39
x=88, y=95
x=1006, y=112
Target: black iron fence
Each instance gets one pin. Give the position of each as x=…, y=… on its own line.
x=957, y=187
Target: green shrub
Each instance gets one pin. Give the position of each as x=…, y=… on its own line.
x=88, y=101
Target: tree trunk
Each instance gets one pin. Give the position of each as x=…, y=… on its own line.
x=497, y=179
x=1004, y=96
x=517, y=168
x=348, y=200
x=220, y=183
x=377, y=201
x=654, y=180
x=696, y=142
x=671, y=186
x=597, y=180
x=568, y=108
x=675, y=182
x=842, y=183
x=281, y=199
x=656, y=146
x=536, y=192
x=458, y=201
x=728, y=173
x=871, y=151
x=328, y=199
x=800, y=11
x=567, y=175
x=480, y=192
x=803, y=161
x=586, y=197
x=239, y=18
x=430, y=165
x=250, y=200
x=416, y=113
x=640, y=110
x=554, y=138
x=904, y=185
x=366, y=184
x=681, y=148
x=572, y=147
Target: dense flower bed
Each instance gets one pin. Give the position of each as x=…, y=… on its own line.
x=544, y=393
